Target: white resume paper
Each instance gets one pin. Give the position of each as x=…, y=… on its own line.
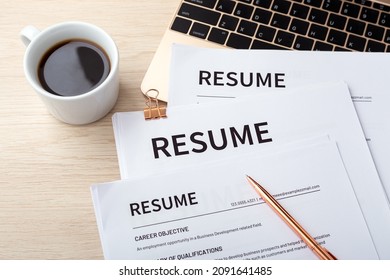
x=194, y=135
x=201, y=75
x=212, y=212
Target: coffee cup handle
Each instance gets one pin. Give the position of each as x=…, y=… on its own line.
x=28, y=33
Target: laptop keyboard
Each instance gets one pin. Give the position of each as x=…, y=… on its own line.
x=328, y=25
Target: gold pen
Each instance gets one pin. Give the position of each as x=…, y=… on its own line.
x=321, y=252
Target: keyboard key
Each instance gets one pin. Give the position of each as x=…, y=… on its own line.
x=218, y=35
x=384, y=20
x=299, y=11
x=318, y=16
x=337, y=37
x=299, y=26
x=237, y=41
x=332, y=5
x=381, y=7
x=337, y=21
x=374, y=32
x=246, y=1
x=387, y=37
x=373, y=46
x=228, y=22
x=314, y=3
x=355, y=26
x=318, y=32
x=243, y=10
x=338, y=49
x=280, y=21
x=262, y=16
x=321, y=46
x=247, y=28
x=356, y=43
x=303, y=44
x=181, y=25
x=263, y=3
x=350, y=9
x=199, y=14
x=284, y=39
x=225, y=6
x=388, y=48
x=364, y=2
x=281, y=6
x=369, y=15
x=260, y=45
x=199, y=30
x=204, y=3
x=266, y=33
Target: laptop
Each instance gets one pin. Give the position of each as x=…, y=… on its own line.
x=318, y=25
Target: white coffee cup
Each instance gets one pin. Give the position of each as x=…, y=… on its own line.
x=83, y=108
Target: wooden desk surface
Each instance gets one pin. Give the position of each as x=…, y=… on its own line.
x=47, y=167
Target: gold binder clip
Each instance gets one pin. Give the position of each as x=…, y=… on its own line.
x=153, y=109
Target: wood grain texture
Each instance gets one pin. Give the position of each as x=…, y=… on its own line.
x=47, y=167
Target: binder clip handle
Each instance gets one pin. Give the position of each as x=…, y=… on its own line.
x=153, y=109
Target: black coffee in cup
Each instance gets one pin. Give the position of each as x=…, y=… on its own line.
x=73, y=67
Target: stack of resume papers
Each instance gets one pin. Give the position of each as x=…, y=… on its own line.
x=184, y=194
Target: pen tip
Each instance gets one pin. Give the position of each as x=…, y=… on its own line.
x=249, y=179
